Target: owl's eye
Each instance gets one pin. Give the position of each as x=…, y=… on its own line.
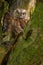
x=17, y=12
x=24, y=13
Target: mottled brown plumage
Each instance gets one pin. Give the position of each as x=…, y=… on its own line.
x=15, y=22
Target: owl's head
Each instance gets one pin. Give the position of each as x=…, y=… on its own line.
x=21, y=14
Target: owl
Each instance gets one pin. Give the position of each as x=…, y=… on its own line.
x=16, y=21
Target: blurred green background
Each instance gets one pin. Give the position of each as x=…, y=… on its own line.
x=30, y=51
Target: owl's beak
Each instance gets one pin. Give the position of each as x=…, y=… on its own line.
x=21, y=17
